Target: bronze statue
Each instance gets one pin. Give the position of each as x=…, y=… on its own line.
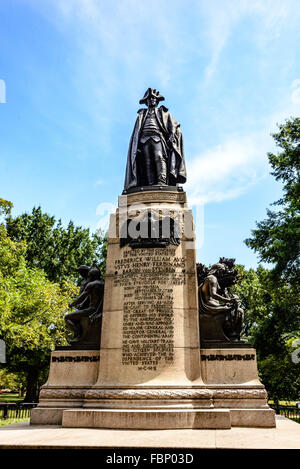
x=83, y=270
x=155, y=155
x=89, y=304
x=221, y=318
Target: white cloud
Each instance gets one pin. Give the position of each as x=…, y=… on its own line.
x=227, y=170
x=296, y=91
x=269, y=17
x=104, y=210
x=99, y=182
x=287, y=106
x=109, y=35
x=2, y=91
x=119, y=43
x=219, y=23
x=114, y=43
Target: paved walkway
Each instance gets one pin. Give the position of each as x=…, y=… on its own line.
x=23, y=436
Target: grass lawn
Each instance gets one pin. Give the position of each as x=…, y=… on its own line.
x=285, y=403
x=10, y=397
x=4, y=422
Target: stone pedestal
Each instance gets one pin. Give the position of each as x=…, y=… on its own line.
x=150, y=351
x=72, y=373
x=231, y=375
x=152, y=372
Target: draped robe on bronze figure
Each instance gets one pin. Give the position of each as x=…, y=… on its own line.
x=174, y=152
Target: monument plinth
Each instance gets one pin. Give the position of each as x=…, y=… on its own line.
x=150, y=348
x=170, y=350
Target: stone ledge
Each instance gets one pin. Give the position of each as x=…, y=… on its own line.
x=253, y=418
x=158, y=196
x=46, y=416
x=147, y=419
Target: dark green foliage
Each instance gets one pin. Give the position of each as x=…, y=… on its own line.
x=272, y=322
x=55, y=249
x=277, y=238
x=5, y=207
x=38, y=267
x=275, y=320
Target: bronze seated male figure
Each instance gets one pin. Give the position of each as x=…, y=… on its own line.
x=221, y=318
x=85, y=321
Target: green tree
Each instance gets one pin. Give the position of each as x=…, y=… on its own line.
x=53, y=248
x=277, y=241
x=280, y=375
x=12, y=381
x=271, y=319
x=5, y=207
x=277, y=238
x=31, y=315
x=31, y=312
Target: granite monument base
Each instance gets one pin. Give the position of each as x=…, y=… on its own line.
x=72, y=373
x=152, y=373
x=231, y=396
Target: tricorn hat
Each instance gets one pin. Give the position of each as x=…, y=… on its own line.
x=151, y=92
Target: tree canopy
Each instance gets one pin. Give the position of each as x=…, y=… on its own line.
x=277, y=238
x=58, y=251
x=38, y=266
x=273, y=295
x=31, y=311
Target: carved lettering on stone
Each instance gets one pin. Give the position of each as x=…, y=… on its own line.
x=228, y=357
x=76, y=358
x=148, y=278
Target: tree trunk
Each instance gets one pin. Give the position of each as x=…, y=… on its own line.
x=276, y=405
x=32, y=385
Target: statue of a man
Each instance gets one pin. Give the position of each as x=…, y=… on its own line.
x=83, y=270
x=89, y=302
x=210, y=288
x=213, y=303
x=155, y=155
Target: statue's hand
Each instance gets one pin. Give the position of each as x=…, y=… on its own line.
x=93, y=318
x=233, y=301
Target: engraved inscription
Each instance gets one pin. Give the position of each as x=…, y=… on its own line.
x=76, y=358
x=148, y=278
x=229, y=356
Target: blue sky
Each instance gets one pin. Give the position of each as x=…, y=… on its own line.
x=72, y=73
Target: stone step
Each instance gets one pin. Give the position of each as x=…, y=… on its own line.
x=147, y=419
